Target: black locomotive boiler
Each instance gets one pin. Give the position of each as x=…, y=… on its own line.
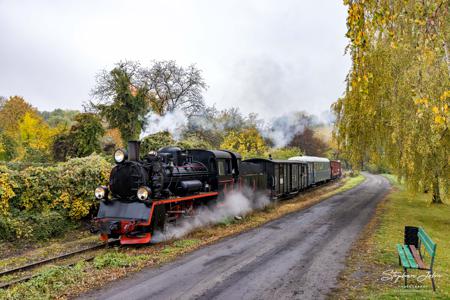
x=145, y=193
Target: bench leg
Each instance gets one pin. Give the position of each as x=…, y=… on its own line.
x=432, y=281
x=406, y=278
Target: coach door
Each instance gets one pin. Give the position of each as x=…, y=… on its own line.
x=304, y=175
x=294, y=177
x=276, y=178
x=311, y=179
x=282, y=178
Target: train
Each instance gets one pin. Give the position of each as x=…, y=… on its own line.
x=146, y=193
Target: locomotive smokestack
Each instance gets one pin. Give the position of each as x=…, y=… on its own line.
x=133, y=150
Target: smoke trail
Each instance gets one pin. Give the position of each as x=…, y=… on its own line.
x=171, y=122
x=235, y=204
x=281, y=130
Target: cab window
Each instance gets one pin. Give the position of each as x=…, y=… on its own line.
x=224, y=166
x=221, y=166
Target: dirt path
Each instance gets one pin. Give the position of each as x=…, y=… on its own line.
x=296, y=257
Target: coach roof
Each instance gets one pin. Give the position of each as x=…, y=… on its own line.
x=276, y=161
x=309, y=159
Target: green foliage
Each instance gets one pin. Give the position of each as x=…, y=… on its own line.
x=83, y=138
x=64, y=118
x=186, y=243
x=31, y=197
x=117, y=260
x=285, y=153
x=154, y=142
x=164, y=138
x=47, y=285
x=123, y=99
x=211, y=125
x=8, y=148
x=86, y=134
x=36, y=226
x=194, y=142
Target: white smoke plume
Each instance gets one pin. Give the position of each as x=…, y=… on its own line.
x=171, y=122
x=281, y=130
x=235, y=204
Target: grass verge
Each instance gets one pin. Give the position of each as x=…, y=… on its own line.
x=375, y=252
x=64, y=282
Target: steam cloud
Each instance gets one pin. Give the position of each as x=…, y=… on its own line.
x=235, y=204
x=170, y=122
x=282, y=130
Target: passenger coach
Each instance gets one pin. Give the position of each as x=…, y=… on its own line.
x=319, y=168
x=284, y=177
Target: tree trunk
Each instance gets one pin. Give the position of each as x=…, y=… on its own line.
x=436, y=192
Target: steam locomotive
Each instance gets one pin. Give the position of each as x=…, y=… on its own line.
x=146, y=193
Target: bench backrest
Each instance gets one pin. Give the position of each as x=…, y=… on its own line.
x=427, y=243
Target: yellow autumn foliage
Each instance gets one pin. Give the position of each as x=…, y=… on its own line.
x=64, y=190
x=398, y=117
x=248, y=142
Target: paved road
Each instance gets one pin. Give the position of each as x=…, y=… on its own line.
x=296, y=257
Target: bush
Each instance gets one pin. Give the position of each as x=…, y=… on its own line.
x=39, y=202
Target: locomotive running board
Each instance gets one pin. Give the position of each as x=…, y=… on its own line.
x=201, y=195
x=178, y=199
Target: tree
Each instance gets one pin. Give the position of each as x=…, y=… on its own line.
x=211, y=125
x=86, y=133
x=248, y=142
x=283, y=128
x=309, y=143
x=154, y=142
x=83, y=139
x=111, y=140
x=36, y=138
x=121, y=96
x=174, y=87
x=285, y=153
x=395, y=110
x=194, y=142
x=11, y=112
x=8, y=147
x=60, y=117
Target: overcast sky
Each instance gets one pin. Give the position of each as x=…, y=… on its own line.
x=267, y=57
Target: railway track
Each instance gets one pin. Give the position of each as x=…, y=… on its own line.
x=36, y=264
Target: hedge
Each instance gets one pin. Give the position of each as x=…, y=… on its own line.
x=37, y=200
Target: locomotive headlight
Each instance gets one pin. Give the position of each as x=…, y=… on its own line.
x=143, y=192
x=101, y=192
x=120, y=156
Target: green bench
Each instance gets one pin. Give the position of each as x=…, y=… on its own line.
x=412, y=258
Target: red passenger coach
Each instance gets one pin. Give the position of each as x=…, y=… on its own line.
x=336, y=170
